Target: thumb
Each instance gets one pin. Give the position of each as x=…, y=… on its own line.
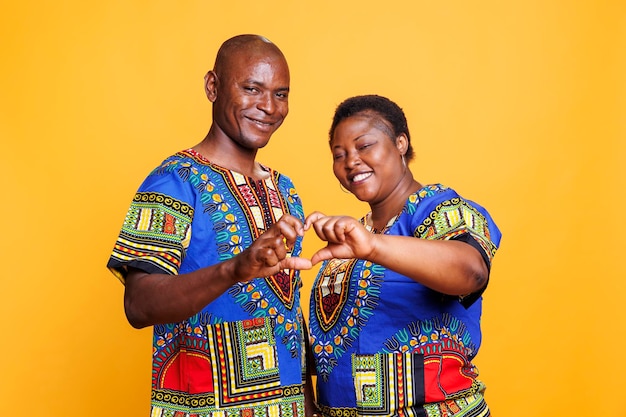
x=321, y=255
x=296, y=263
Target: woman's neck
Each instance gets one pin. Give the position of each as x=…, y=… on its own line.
x=384, y=211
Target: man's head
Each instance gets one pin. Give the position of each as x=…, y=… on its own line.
x=249, y=89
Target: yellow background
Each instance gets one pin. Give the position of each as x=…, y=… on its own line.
x=518, y=105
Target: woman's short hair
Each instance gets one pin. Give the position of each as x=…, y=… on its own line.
x=373, y=105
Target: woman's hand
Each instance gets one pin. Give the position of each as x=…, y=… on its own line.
x=346, y=237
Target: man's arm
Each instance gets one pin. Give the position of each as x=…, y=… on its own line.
x=161, y=298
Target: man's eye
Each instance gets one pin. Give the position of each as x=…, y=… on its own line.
x=338, y=156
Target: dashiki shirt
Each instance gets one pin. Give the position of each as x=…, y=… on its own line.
x=242, y=354
x=385, y=345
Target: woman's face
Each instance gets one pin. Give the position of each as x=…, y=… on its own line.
x=366, y=161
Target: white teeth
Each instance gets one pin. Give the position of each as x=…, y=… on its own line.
x=361, y=177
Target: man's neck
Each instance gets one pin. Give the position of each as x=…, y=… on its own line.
x=227, y=154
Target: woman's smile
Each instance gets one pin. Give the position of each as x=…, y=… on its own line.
x=361, y=177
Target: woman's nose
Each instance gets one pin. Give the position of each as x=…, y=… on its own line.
x=352, y=159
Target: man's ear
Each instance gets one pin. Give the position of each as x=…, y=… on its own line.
x=210, y=85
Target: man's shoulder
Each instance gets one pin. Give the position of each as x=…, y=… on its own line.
x=282, y=178
x=185, y=154
x=182, y=159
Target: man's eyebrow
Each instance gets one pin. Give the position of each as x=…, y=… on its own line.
x=262, y=84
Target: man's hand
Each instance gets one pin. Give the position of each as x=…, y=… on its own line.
x=269, y=253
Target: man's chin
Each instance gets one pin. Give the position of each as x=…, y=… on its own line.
x=259, y=139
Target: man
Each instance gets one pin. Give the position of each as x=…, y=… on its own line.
x=208, y=254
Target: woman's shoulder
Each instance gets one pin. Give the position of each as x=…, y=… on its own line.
x=432, y=192
x=429, y=199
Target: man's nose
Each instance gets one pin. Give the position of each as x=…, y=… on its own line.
x=267, y=103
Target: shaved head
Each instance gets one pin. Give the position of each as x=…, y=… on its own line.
x=249, y=89
x=244, y=47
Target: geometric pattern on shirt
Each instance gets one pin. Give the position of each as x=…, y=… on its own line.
x=193, y=342
x=262, y=206
x=454, y=217
x=422, y=334
x=171, y=339
x=244, y=362
x=388, y=384
x=177, y=404
x=446, y=347
x=342, y=308
x=469, y=404
x=333, y=289
x=224, y=195
x=166, y=403
x=156, y=230
x=260, y=202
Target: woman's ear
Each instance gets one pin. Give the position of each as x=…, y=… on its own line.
x=402, y=143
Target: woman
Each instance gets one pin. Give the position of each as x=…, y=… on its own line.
x=395, y=308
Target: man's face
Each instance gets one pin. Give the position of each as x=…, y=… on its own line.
x=251, y=98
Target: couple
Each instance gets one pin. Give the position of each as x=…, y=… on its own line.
x=209, y=256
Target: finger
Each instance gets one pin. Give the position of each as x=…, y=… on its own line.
x=337, y=228
x=296, y=263
x=271, y=256
x=333, y=230
x=293, y=223
x=288, y=240
x=323, y=227
x=280, y=247
x=312, y=218
x=321, y=255
x=289, y=229
x=342, y=228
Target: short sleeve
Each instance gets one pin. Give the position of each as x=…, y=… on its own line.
x=154, y=236
x=454, y=217
x=459, y=219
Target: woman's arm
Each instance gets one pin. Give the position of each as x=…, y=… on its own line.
x=447, y=266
